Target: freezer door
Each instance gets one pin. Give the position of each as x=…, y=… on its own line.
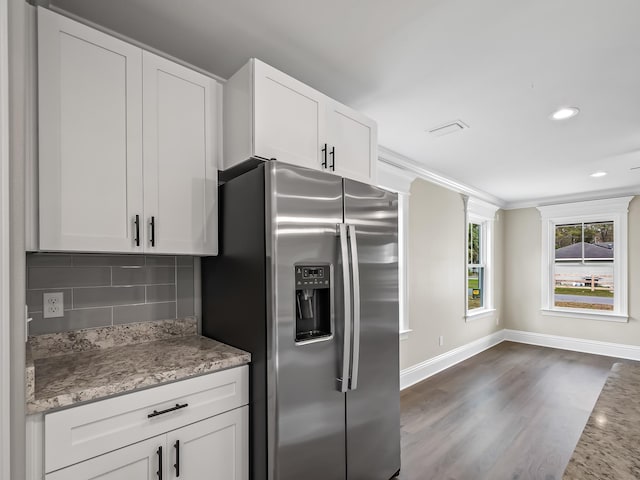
x=373, y=406
x=306, y=408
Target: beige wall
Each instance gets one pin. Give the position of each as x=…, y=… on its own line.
x=436, y=275
x=522, y=275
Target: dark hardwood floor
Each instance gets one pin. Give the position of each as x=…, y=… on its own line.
x=512, y=412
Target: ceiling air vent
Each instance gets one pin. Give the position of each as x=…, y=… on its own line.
x=448, y=128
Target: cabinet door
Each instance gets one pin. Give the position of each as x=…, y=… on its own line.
x=213, y=449
x=288, y=118
x=353, y=141
x=140, y=461
x=180, y=124
x=90, y=134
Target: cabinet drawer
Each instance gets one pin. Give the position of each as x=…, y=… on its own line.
x=85, y=431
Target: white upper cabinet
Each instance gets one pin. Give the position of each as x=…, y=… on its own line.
x=268, y=114
x=109, y=111
x=289, y=118
x=90, y=153
x=352, y=143
x=180, y=158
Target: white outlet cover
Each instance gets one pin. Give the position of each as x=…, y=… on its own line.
x=53, y=305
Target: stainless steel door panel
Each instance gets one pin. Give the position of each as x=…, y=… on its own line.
x=373, y=407
x=306, y=407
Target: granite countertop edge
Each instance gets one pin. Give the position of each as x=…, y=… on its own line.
x=43, y=405
x=63, y=370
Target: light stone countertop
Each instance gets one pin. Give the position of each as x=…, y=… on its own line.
x=609, y=447
x=65, y=369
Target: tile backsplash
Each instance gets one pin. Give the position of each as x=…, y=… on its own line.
x=102, y=290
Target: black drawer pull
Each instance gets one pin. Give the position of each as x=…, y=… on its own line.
x=333, y=159
x=159, y=472
x=153, y=231
x=136, y=222
x=172, y=409
x=324, y=156
x=177, y=464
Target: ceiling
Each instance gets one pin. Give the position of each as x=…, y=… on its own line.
x=500, y=66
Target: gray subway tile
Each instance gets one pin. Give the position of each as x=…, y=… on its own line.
x=143, y=275
x=161, y=293
x=144, y=313
x=48, y=260
x=92, y=260
x=105, y=296
x=58, y=277
x=185, y=292
x=72, y=320
x=184, y=261
x=35, y=299
x=160, y=260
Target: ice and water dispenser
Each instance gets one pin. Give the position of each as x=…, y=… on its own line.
x=313, y=302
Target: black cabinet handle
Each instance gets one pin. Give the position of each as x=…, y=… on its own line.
x=153, y=231
x=136, y=222
x=159, y=472
x=177, y=464
x=333, y=159
x=155, y=413
x=324, y=156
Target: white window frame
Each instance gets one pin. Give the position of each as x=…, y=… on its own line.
x=483, y=214
x=612, y=209
x=399, y=180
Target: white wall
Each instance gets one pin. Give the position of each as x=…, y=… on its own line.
x=5, y=314
x=436, y=269
x=522, y=279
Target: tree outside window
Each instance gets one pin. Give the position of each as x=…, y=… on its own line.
x=475, y=267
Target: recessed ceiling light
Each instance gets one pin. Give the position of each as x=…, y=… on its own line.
x=598, y=174
x=565, y=113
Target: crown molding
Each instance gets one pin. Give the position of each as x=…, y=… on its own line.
x=578, y=197
x=397, y=160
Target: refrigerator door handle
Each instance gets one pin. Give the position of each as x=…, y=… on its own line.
x=346, y=280
x=355, y=276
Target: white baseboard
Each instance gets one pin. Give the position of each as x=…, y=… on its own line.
x=619, y=350
x=421, y=371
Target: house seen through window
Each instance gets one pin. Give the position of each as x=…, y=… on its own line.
x=584, y=265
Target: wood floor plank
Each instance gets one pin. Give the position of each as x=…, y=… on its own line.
x=513, y=412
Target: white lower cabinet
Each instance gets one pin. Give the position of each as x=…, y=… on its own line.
x=138, y=461
x=213, y=449
x=193, y=429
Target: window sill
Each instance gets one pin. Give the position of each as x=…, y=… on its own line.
x=404, y=334
x=582, y=314
x=478, y=313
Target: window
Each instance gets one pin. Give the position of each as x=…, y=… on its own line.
x=475, y=266
x=479, y=268
x=585, y=259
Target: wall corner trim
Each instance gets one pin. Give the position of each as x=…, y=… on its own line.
x=423, y=370
x=595, y=347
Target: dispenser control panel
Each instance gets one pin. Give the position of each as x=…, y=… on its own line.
x=312, y=276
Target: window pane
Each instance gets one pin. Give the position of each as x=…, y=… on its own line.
x=579, y=285
x=474, y=244
x=568, y=242
x=475, y=287
x=598, y=238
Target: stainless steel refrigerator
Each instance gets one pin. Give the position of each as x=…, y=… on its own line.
x=307, y=281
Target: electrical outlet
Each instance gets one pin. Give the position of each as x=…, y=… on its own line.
x=441, y=340
x=497, y=320
x=53, y=305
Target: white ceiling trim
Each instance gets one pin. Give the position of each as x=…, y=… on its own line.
x=579, y=197
x=395, y=159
